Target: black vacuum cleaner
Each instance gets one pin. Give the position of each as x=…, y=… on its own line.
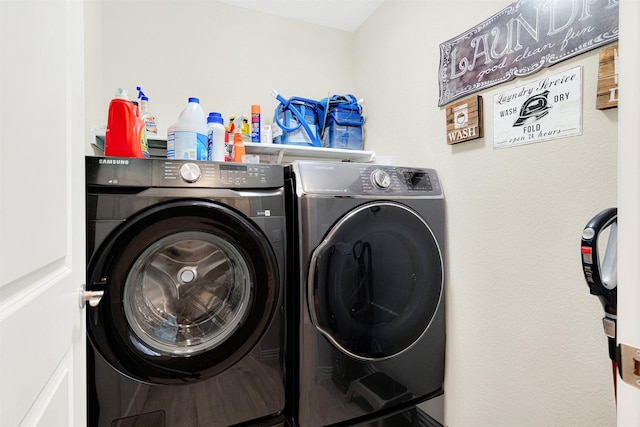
x=601, y=273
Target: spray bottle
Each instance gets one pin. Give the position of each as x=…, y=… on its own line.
x=238, y=145
x=149, y=119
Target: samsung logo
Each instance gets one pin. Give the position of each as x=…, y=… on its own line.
x=113, y=161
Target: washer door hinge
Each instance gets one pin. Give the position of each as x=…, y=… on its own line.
x=629, y=364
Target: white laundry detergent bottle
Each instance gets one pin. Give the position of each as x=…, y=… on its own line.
x=215, y=137
x=187, y=138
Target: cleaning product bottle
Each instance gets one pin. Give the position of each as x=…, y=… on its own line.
x=246, y=133
x=125, y=135
x=187, y=138
x=140, y=130
x=149, y=119
x=238, y=145
x=230, y=128
x=255, y=123
x=266, y=135
x=228, y=139
x=215, y=137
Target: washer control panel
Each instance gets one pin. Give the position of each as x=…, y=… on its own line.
x=111, y=171
x=190, y=172
x=353, y=179
x=169, y=173
x=380, y=178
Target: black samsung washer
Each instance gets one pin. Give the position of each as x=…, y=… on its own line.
x=189, y=257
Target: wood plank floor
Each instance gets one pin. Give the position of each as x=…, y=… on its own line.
x=249, y=388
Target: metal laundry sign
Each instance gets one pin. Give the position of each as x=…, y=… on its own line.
x=546, y=109
x=520, y=40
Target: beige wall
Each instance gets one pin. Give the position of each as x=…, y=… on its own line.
x=525, y=345
x=227, y=56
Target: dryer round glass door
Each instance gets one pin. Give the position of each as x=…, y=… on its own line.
x=375, y=281
x=190, y=288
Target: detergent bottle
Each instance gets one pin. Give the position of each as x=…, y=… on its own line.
x=187, y=138
x=140, y=129
x=149, y=119
x=227, y=147
x=216, y=137
x=125, y=135
x=228, y=139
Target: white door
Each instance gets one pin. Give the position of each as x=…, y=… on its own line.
x=629, y=203
x=42, y=330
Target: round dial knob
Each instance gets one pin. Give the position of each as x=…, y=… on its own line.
x=380, y=178
x=190, y=172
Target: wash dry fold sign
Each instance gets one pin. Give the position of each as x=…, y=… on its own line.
x=522, y=39
x=546, y=109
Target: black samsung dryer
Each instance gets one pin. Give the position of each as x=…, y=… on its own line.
x=366, y=290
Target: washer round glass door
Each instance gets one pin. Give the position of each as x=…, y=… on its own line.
x=187, y=293
x=189, y=287
x=375, y=281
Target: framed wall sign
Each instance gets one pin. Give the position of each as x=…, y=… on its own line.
x=608, y=78
x=464, y=120
x=543, y=110
x=521, y=40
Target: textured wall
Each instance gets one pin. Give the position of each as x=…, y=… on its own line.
x=525, y=345
x=230, y=57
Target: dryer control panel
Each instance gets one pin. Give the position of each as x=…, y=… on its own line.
x=124, y=172
x=359, y=179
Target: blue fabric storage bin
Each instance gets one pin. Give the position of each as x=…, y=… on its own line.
x=287, y=120
x=343, y=128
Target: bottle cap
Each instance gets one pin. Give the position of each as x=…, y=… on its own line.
x=255, y=109
x=196, y=100
x=215, y=118
x=121, y=93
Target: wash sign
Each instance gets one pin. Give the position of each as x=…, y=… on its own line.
x=546, y=109
x=521, y=40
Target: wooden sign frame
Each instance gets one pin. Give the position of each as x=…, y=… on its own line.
x=464, y=120
x=607, y=95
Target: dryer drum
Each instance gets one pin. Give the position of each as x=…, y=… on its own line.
x=190, y=287
x=376, y=281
